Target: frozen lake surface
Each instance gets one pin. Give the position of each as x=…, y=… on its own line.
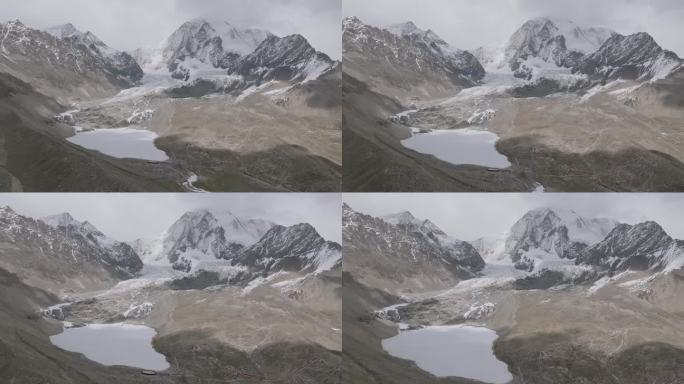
x=454, y=350
x=113, y=344
x=459, y=146
x=121, y=143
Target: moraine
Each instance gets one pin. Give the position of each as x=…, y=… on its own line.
x=454, y=350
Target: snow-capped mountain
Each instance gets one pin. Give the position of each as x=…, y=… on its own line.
x=200, y=45
x=636, y=57
x=463, y=252
x=61, y=251
x=462, y=61
x=551, y=47
x=415, y=253
x=202, y=236
x=111, y=251
x=545, y=238
x=635, y=247
x=118, y=63
x=404, y=54
x=66, y=60
x=289, y=58
x=546, y=43
x=295, y=248
x=206, y=240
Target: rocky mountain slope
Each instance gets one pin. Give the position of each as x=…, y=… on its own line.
x=61, y=253
x=289, y=58
x=64, y=63
x=401, y=252
x=644, y=246
x=633, y=57
x=405, y=61
x=119, y=64
x=295, y=248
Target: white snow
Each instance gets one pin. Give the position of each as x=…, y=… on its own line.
x=478, y=311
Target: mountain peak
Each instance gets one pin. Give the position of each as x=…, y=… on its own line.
x=6, y=211
x=60, y=220
x=403, y=29
x=64, y=30
x=351, y=22
x=400, y=218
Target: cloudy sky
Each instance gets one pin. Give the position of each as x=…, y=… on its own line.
x=129, y=216
x=130, y=24
x=469, y=216
x=468, y=24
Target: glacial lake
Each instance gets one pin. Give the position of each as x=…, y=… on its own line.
x=113, y=344
x=454, y=350
x=121, y=143
x=459, y=146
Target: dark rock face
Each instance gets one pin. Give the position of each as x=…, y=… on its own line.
x=200, y=280
x=542, y=280
x=544, y=87
x=637, y=247
x=408, y=47
x=295, y=248
x=636, y=56
x=289, y=58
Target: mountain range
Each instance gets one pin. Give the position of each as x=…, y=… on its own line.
x=417, y=255
x=205, y=49
x=205, y=239
x=60, y=252
x=410, y=59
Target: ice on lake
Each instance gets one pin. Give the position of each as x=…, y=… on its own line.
x=459, y=146
x=121, y=143
x=113, y=344
x=455, y=350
